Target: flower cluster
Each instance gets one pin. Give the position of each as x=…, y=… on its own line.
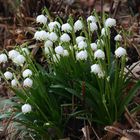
x=18, y=58
x=61, y=40
x=73, y=55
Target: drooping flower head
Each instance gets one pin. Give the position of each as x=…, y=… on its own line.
x=110, y=22
x=118, y=37
x=99, y=54
x=41, y=19
x=82, y=55
x=119, y=52
x=3, y=58
x=78, y=25
x=26, y=108
x=28, y=82
x=59, y=50
x=66, y=27
x=65, y=37
x=8, y=75
x=91, y=19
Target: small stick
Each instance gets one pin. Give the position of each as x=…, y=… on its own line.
x=116, y=9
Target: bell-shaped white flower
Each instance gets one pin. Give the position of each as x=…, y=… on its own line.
x=82, y=55
x=104, y=31
x=26, y=108
x=110, y=22
x=93, y=46
x=27, y=73
x=66, y=27
x=53, y=36
x=93, y=26
x=59, y=50
x=26, y=51
x=41, y=35
x=19, y=60
x=3, y=58
x=47, y=50
x=65, y=53
x=79, y=39
x=118, y=37
x=48, y=43
x=82, y=45
x=48, y=46
x=41, y=19
x=78, y=25
x=13, y=53
x=28, y=82
x=53, y=25
x=8, y=75
x=97, y=70
x=91, y=19
x=65, y=37
x=119, y=52
x=99, y=54
x=14, y=83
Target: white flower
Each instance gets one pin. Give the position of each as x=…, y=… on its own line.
x=91, y=19
x=8, y=75
x=28, y=82
x=57, y=24
x=65, y=38
x=108, y=78
x=56, y=57
x=59, y=50
x=101, y=74
x=79, y=39
x=110, y=22
x=96, y=69
x=82, y=45
x=26, y=108
x=118, y=37
x=27, y=73
x=66, y=27
x=103, y=32
x=53, y=25
x=82, y=55
x=78, y=25
x=53, y=36
x=47, y=50
x=93, y=26
x=93, y=46
x=26, y=51
x=12, y=54
x=3, y=58
x=41, y=19
x=48, y=43
x=120, y=52
x=41, y=35
x=99, y=54
x=14, y=83
x=19, y=60
x=66, y=53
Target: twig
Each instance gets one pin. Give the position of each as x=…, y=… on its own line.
x=116, y=9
